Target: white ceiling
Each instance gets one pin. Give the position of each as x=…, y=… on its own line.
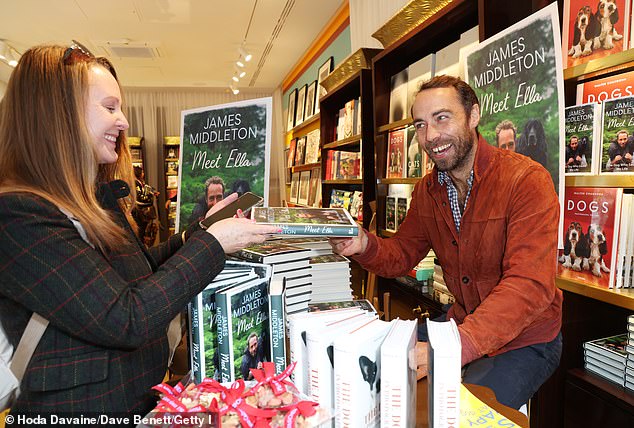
x=196, y=40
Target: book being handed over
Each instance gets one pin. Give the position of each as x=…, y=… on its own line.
x=331, y=222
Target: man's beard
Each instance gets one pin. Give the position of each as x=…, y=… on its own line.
x=463, y=144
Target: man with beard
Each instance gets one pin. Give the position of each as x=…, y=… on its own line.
x=491, y=217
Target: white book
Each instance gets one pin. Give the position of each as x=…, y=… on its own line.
x=320, y=355
x=468, y=40
x=298, y=323
x=358, y=376
x=444, y=364
x=623, y=240
x=398, y=96
x=448, y=60
x=418, y=72
x=398, y=375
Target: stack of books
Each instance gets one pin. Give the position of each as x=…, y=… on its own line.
x=330, y=278
x=290, y=262
x=349, y=360
x=629, y=349
x=607, y=357
x=222, y=318
x=317, y=245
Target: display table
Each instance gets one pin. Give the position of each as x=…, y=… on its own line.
x=485, y=395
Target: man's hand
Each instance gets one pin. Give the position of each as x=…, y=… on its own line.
x=350, y=246
x=421, y=360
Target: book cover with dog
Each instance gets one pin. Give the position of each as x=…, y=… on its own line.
x=617, y=152
x=583, y=135
x=591, y=225
x=357, y=375
x=518, y=77
x=594, y=29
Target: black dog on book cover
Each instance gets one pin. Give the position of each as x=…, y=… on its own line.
x=369, y=371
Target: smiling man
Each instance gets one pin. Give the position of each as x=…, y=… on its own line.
x=491, y=217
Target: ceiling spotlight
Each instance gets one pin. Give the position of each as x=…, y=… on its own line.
x=240, y=63
x=245, y=54
x=241, y=72
x=10, y=57
x=235, y=78
x=3, y=50
x=234, y=89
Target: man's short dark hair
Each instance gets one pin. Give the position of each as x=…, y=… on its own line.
x=467, y=96
x=214, y=180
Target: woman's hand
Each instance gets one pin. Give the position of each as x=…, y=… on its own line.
x=234, y=234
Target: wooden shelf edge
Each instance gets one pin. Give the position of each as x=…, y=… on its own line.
x=314, y=118
x=387, y=233
x=305, y=167
x=350, y=181
x=606, y=180
x=394, y=125
x=355, y=139
x=613, y=60
x=404, y=180
x=623, y=297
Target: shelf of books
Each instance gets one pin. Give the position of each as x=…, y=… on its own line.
x=346, y=135
x=303, y=155
x=171, y=152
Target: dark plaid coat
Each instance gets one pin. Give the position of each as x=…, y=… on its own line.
x=106, y=344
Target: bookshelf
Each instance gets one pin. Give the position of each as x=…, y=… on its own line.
x=171, y=153
x=357, y=85
x=297, y=169
x=137, y=151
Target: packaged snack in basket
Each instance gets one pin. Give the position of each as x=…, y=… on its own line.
x=271, y=390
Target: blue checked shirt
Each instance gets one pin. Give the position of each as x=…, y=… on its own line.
x=452, y=192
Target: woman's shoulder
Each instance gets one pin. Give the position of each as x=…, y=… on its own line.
x=25, y=201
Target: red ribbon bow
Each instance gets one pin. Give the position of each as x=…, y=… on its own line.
x=266, y=376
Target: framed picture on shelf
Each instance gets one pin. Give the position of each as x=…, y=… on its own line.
x=294, y=187
x=315, y=182
x=304, y=185
x=290, y=159
x=172, y=153
x=287, y=175
x=292, y=102
x=300, y=151
x=324, y=71
x=301, y=101
x=172, y=181
x=309, y=110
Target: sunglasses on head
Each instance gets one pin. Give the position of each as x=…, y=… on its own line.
x=76, y=52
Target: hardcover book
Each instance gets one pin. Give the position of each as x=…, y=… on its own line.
x=272, y=252
x=356, y=205
x=320, y=351
x=443, y=364
x=617, y=140
x=402, y=204
x=243, y=328
x=414, y=155
x=398, y=96
x=335, y=222
x=229, y=141
x=390, y=213
x=298, y=323
x=612, y=347
x=357, y=374
x=599, y=90
x=583, y=141
x=396, y=154
x=324, y=306
x=398, y=375
x=593, y=30
x=203, y=331
x=448, y=60
x=418, y=72
x=277, y=324
x=591, y=224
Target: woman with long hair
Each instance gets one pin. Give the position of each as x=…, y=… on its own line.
x=68, y=251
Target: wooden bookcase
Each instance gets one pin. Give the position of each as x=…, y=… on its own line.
x=137, y=151
x=358, y=85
